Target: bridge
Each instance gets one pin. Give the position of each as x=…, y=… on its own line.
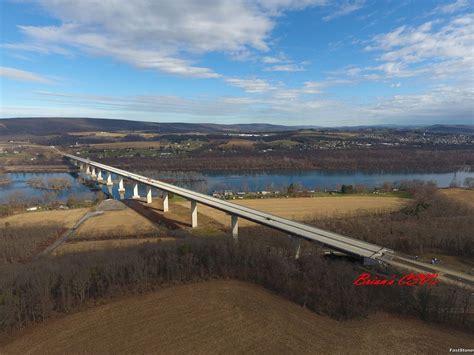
x=370, y=253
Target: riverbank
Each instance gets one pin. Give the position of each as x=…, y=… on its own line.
x=38, y=169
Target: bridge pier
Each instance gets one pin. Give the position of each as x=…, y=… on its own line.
x=296, y=244
x=136, y=195
x=109, y=179
x=93, y=174
x=148, y=195
x=100, y=179
x=165, y=201
x=81, y=167
x=88, y=169
x=121, y=186
x=234, y=222
x=194, y=214
x=298, y=248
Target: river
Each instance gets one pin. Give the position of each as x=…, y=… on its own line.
x=209, y=182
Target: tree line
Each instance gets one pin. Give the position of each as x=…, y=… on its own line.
x=36, y=291
x=374, y=160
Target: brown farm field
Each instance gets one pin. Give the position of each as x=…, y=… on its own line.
x=126, y=222
x=462, y=195
x=304, y=208
x=237, y=143
x=226, y=317
x=67, y=218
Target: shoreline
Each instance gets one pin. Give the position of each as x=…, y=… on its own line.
x=246, y=171
x=38, y=169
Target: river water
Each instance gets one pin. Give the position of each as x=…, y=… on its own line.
x=209, y=182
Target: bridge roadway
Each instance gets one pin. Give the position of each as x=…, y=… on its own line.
x=332, y=240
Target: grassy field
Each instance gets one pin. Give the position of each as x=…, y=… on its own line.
x=115, y=223
x=304, y=208
x=226, y=317
x=237, y=143
x=66, y=218
x=462, y=195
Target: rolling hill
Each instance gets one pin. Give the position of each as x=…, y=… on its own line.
x=226, y=317
x=59, y=125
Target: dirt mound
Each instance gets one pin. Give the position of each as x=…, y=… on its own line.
x=111, y=205
x=227, y=317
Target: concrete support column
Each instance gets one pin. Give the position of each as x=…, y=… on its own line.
x=148, y=195
x=88, y=169
x=194, y=214
x=121, y=186
x=136, y=195
x=109, y=179
x=234, y=222
x=298, y=248
x=165, y=201
x=296, y=242
x=81, y=167
x=99, y=175
x=93, y=174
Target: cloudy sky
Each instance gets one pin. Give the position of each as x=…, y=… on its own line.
x=296, y=62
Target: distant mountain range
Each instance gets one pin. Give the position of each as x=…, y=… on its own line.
x=59, y=125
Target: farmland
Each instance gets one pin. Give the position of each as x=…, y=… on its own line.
x=461, y=195
x=223, y=317
x=304, y=208
x=65, y=218
x=115, y=224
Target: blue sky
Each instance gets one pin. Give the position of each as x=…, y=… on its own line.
x=306, y=62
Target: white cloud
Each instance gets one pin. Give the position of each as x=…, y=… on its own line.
x=23, y=75
x=435, y=50
x=442, y=50
x=313, y=87
x=396, y=85
x=272, y=60
x=442, y=104
x=286, y=68
x=452, y=7
x=251, y=85
x=158, y=34
x=281, y=63
x=346, y=8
